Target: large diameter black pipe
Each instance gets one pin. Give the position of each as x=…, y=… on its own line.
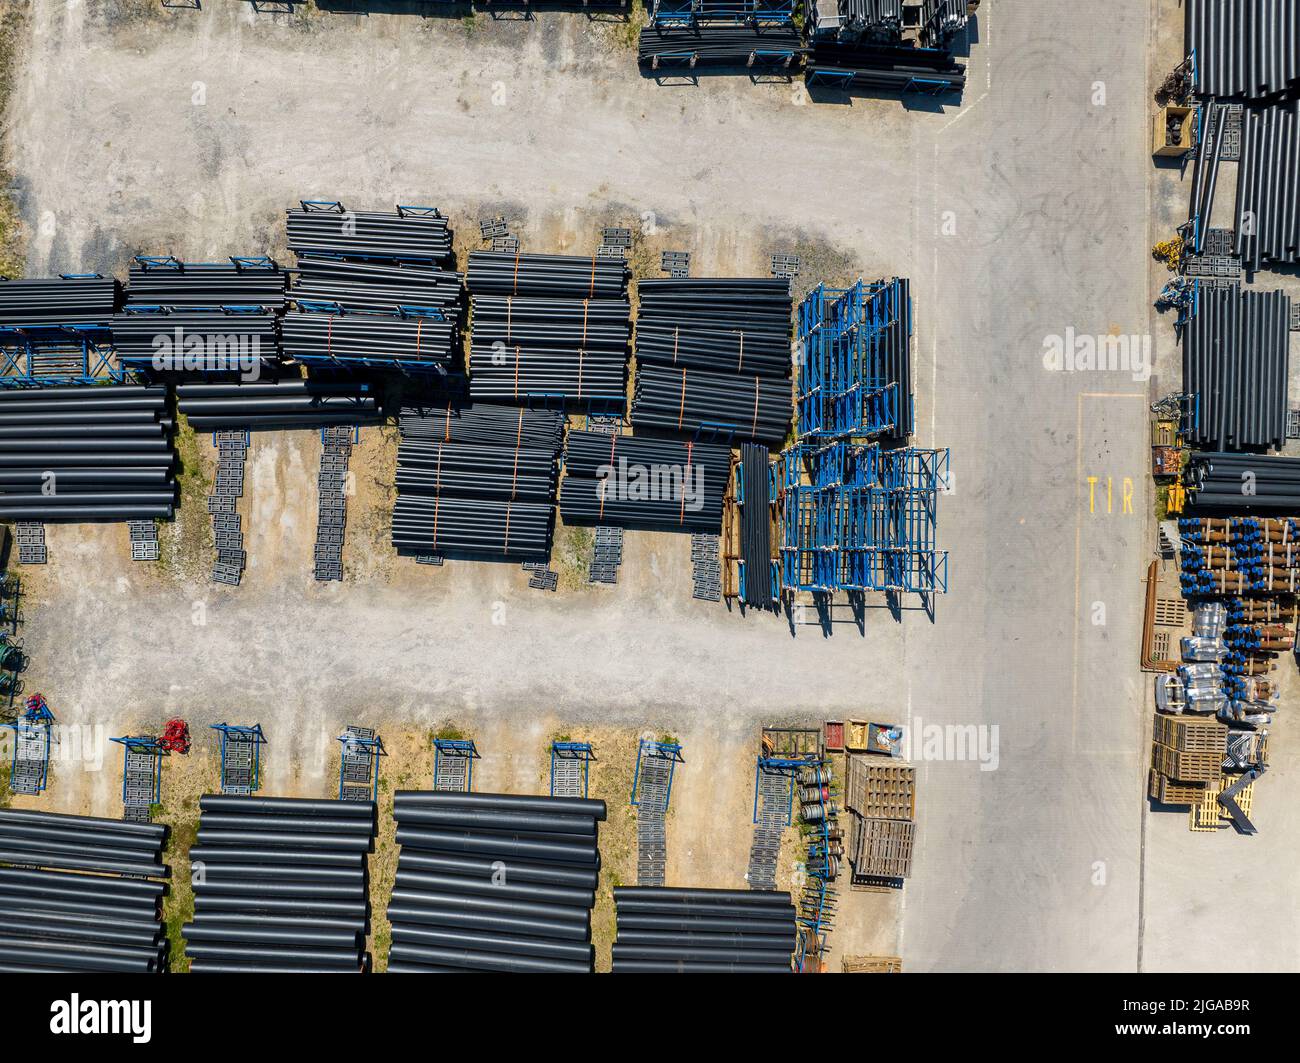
x=490, y=924
x=712, y=911
x=666, y=894
x=56, y=819
x=95, y=841
x=62, y=903
x=276, y=839
x=688, y=967
x=31, y=927
x=226, y=932
x=43, y=912
x=495, y=870
x=703, y=924
x=690, y=954
x=84, y=885
x=287, y=806
x=231, y=951
x=781, y=942
x=304, y=890
x=80, y=954
x=286, y=873
x=472, y=819
x=286, y=824
x=523, y=891
x=288, y=922
x=490, y=905
x=198, y=966
x=211, y=854
x=433, y=937
x=485, y=961
x=517, y=846
x=49, y=857
x=574, y=806
x=279, y=906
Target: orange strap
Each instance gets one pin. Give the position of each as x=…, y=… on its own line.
x=515, y=282
x=681, y=410
x=329, y=337
x=446, y=431
x=419, y=325
x=516, y=372
x=505, y=547
x=519, y=431
x=586, y=305
x=681, y=517
x=754, y=425
x=591, y=289
x=740, y=366
x=581, y=357
x=509, y=309
x=437, y=474
x=437, y=501
x=514, y=475
x=604, y=484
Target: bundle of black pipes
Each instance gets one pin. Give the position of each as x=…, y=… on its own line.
x=643, y=482
x=87, y=301
x=369, y=285
x=494, y=882
x=1268, y=185
x=205, y=341
x=409, y=234
x=894, y=68
x=665, y=50
x=1244, y=48
x=243, y=282
x=548, y=325
x=84, y=454
x=1246, y=483
x=719, y=324
x=414, y=340
x=284, y=404
x=697, y=931
x=80, y=894
x=1235, y=350
x=280, y=885
x=575, y=348
x=686, y=400
x=756, y=525
x=476, y=481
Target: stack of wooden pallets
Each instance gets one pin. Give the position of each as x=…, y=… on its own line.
x=880, y=794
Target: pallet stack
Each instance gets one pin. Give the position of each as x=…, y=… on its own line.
x=607, y=555
x=332, y=515
x=144, y=540
x=880, y=793
x=31, y=542
x=1195, y=759
x=706, y=566
x=227, y=531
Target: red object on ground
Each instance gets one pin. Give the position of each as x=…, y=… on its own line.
x=176, y=736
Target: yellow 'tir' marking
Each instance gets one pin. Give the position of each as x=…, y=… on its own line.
x=1126, y=494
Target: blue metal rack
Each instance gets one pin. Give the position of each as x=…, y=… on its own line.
x=141, y=770
x=570, y=762
x=241, y=757
x=668, y=752
x=453, y=764
x=359, y=764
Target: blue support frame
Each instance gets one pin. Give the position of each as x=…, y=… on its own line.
x=147, y=745
x=670, y=751
x=36, y=721
x=252, y=735
x=580, y=751
x=456, y=747
x=374, y=747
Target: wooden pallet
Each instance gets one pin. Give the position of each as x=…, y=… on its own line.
x=1191, y=734
x=871, y=965
x=1173, y=791
x=1171, y=612
x=879, y=789
x=881, y=847
x=1208, y=815
x=1187, y=765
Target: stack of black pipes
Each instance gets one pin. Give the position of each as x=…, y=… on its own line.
x=755, y=525
x=85, y=301
x=373, y=290
x=1235, y=365
x=494, y=882
x=284, y=404
x=1245, y=483
x=643, y=482
x=280, y=886
x=714, y=351
x=698, y=931
x=553, y=326
x=80, y=894
x=476, y=480
x=891, y=67
x=1244, y=48
x=661, y=48
x=1268, y=184
x=82, y=454
x=207, y=317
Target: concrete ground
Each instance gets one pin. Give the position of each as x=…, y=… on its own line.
x=1019, y=215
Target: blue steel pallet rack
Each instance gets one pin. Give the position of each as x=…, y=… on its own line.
x=657, y=761
x=359, y=764
x=33, y=737
x=670, y=13
x=453, y=764
x=844, y=335
x=141, y=775
x=241, y=757
x=570, y=762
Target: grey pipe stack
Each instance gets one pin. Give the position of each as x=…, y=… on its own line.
x=280, y=884
x=700, y=931
x=70, y=905
x=494, y=882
